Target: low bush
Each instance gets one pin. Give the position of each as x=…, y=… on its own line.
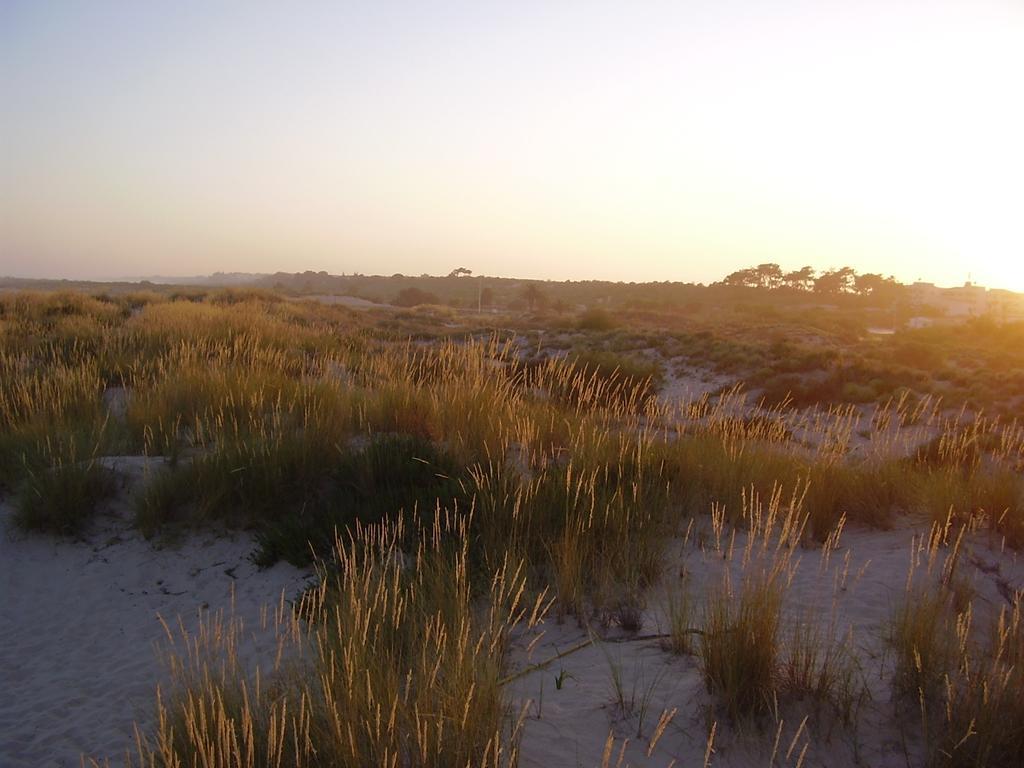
x=595, y=319
x=297, y=493
x=62, y=499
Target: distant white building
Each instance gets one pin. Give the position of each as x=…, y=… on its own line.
x=1006, y=306
x=969, y=301
x=925, y=294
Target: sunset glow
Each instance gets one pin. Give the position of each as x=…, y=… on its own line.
x=648, y=141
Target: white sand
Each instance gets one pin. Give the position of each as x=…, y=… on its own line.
x=569, y=727
x=680, y=387
x=78, y=624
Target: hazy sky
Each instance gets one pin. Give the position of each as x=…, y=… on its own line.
x=629, y=140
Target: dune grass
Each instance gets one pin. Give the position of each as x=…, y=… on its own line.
x=64, y=498
x=982, y=717
x=739, y=652
x=397, y=661
x=965, y=682
x=458, y=471
x=263, y=394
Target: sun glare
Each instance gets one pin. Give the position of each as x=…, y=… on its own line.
x=559, y=141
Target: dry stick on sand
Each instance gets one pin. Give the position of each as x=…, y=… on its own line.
x=586, y=644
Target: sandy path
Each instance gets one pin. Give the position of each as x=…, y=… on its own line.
x=78, y=623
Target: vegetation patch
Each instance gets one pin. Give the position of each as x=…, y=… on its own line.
x=63, y=499
x=299, y=494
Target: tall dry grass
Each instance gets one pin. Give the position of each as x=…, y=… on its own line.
x=291, y=417
x=395, y=660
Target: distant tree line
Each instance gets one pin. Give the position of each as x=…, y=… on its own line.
x=833, y=281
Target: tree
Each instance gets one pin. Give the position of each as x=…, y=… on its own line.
x=834, y=281
x=534, y=296
x=883, y=289
x=743, y=278
x=866, y=285
x=459, y=271
x=800, y=279
x=768, y=275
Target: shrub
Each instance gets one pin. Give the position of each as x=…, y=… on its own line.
x=413, y=297
x=63, y=499
x=298, y=492
x=595, y=319
x=369, y=486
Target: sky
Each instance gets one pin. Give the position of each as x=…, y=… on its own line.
x=626, y=141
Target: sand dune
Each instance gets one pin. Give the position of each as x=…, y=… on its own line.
x=78, y=624
x=854, y=590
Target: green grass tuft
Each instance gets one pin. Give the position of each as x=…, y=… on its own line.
x=64, y=499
